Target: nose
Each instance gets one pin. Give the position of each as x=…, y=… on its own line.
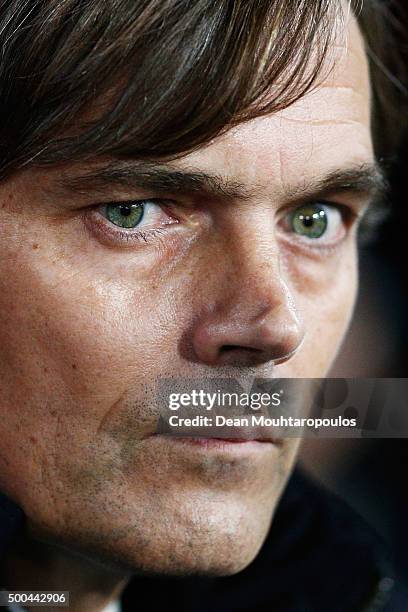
x=249, y=318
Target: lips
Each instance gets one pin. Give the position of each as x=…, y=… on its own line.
x=218, y=441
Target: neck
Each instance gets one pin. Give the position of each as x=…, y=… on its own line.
x=32, y=565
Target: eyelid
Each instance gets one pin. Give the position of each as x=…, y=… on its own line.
x=293, y=206
x=118, y=199
x=128, y=201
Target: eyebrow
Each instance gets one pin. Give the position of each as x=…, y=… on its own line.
x=365, y=180
x=162, y=179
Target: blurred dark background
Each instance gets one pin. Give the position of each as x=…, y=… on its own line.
x=372, y=474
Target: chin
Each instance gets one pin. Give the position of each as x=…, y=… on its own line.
x=217, y=556
x=217, y=537
x=216, y=544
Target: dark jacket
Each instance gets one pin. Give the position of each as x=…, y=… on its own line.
x=319, y=556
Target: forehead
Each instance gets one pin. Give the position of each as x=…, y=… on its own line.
x=326, y=129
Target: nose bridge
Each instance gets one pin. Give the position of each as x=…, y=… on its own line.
x=247, y=278
x=247, y=306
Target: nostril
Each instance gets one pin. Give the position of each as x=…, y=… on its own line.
x=236, y=347
x=239, y=355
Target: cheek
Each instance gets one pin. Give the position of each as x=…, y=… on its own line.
x=73, y=342
x=79, y=338
x=325, y=292
x=72, y=330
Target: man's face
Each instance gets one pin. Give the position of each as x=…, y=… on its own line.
x=93, y=314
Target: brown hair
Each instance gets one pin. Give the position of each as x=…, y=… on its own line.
x=148, y=78
x=384, y=26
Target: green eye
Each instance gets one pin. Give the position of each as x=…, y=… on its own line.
x=309, y=221
x=127, y=215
